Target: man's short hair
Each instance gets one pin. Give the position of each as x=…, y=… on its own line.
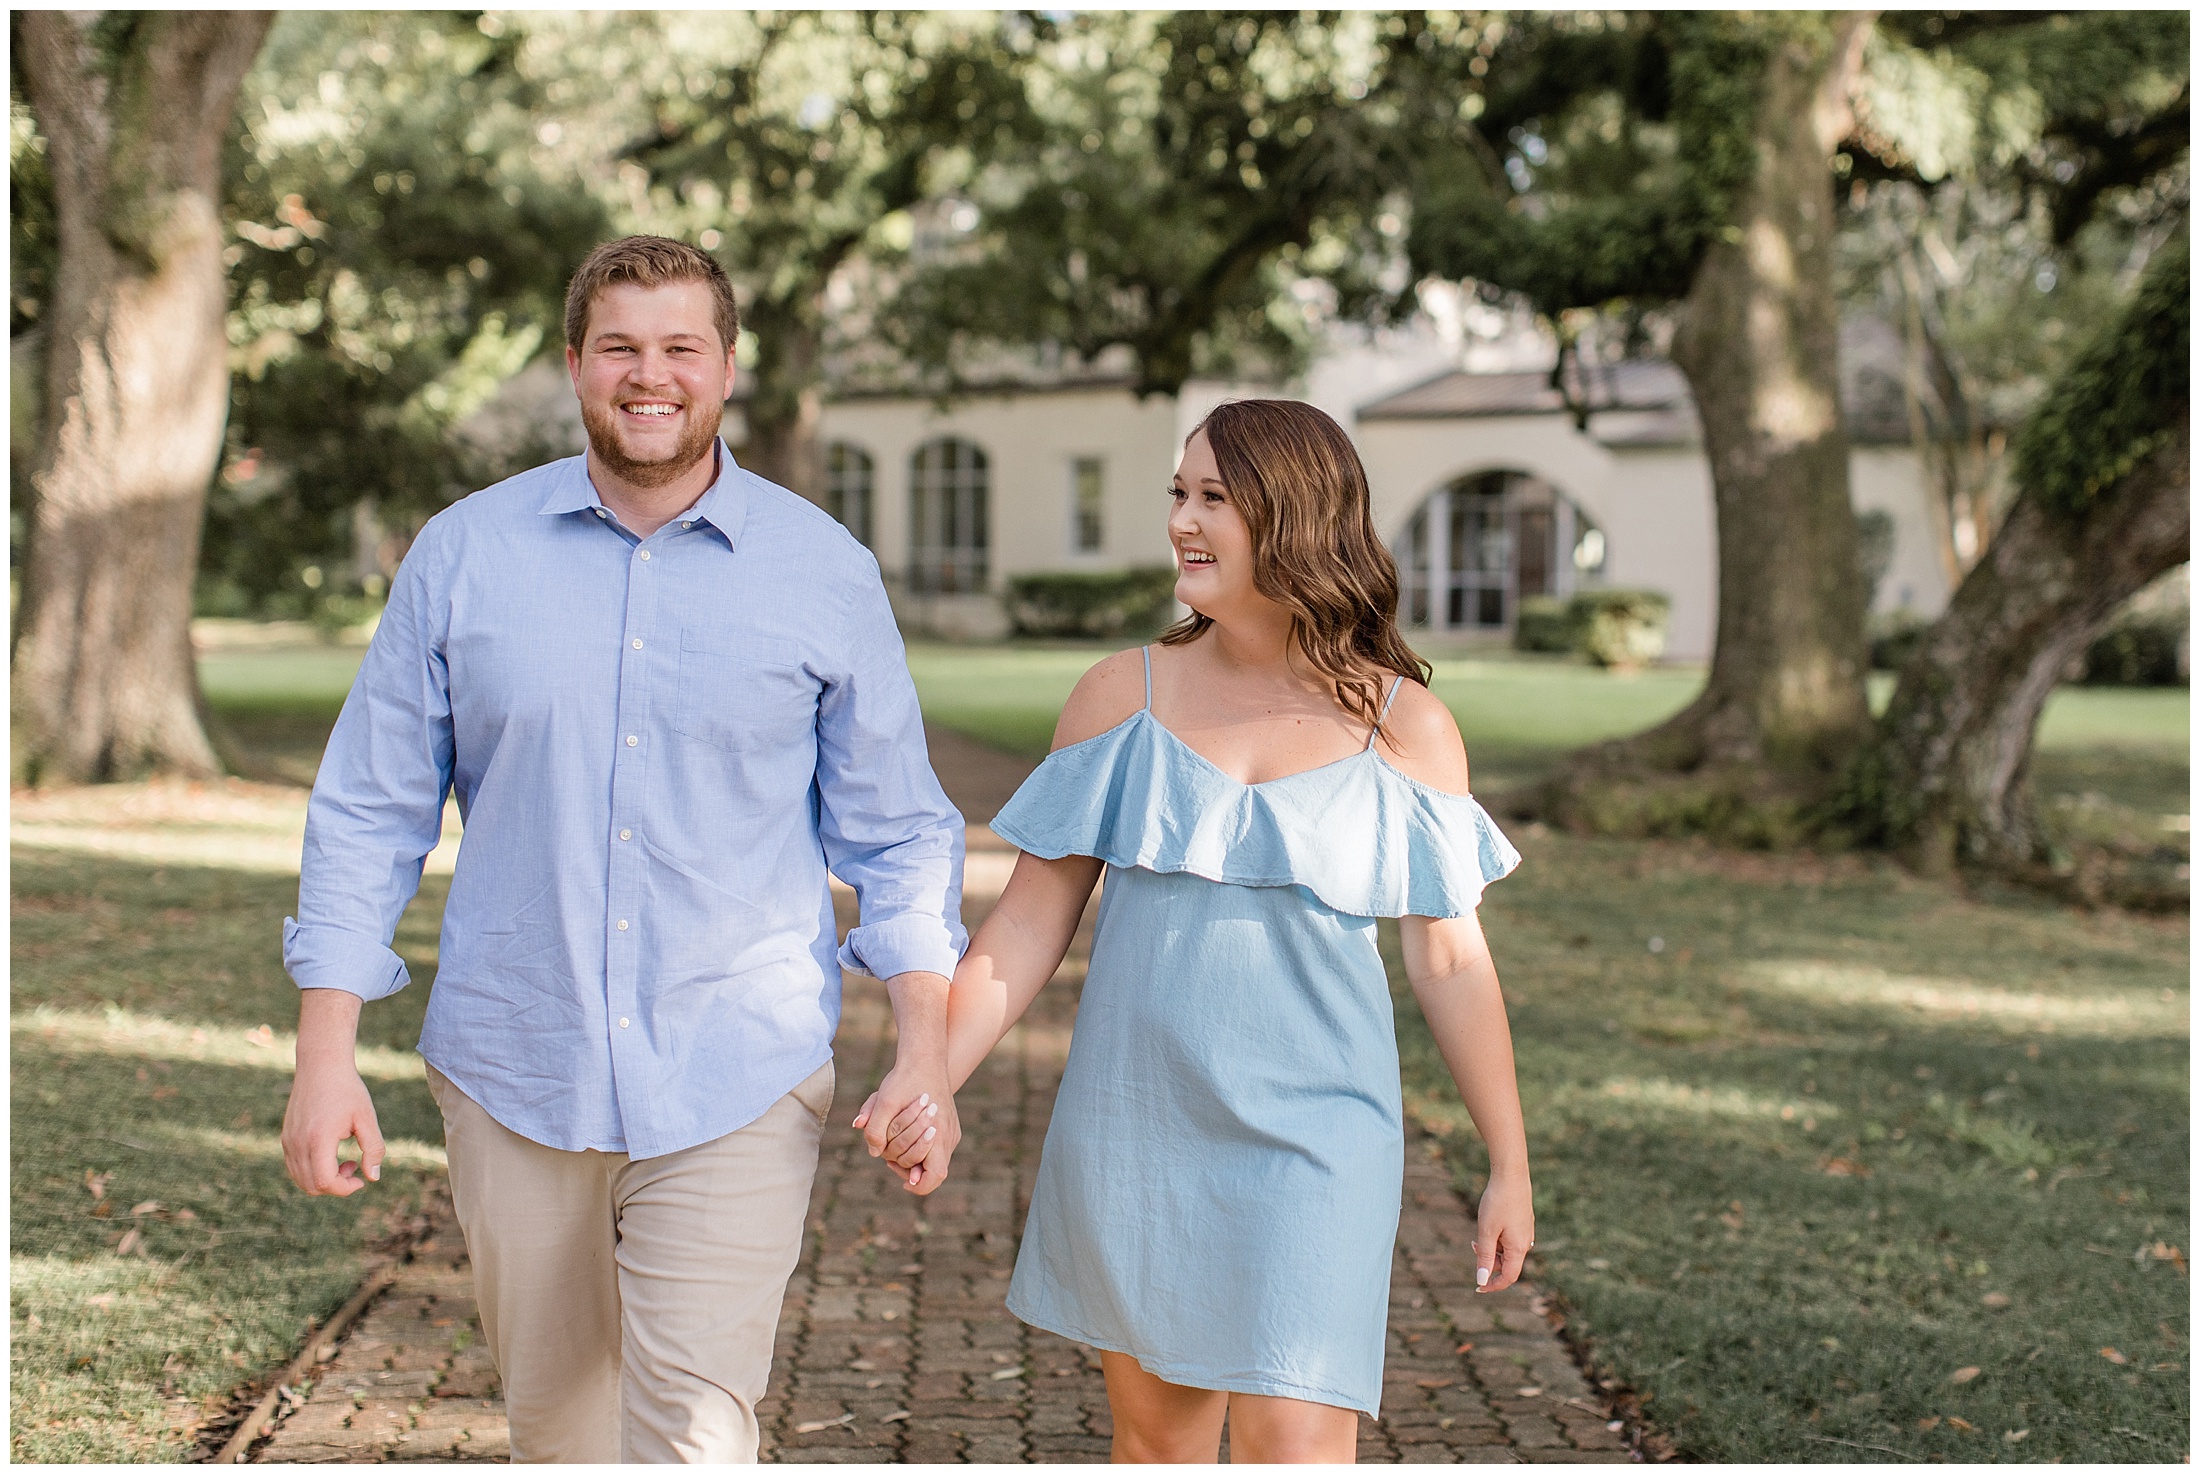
x=648, y=261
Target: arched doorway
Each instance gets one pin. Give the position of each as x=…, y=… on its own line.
x=848, y=488
x=1479, y=546
x=947, y=518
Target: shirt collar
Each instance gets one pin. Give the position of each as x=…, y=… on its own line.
x=723, y=506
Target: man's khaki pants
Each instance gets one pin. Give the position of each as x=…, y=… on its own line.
x=630, y=1306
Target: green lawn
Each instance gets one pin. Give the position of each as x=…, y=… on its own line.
x=139, y=994
x=1841, y=1136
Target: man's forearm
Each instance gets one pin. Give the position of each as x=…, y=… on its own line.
x=920, y=1019
x=328, y=1029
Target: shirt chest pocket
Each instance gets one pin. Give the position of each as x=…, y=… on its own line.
x=743, y=693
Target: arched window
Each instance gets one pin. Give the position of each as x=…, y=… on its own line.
x=947, y=518
x=1479, y=546
x=848, y=488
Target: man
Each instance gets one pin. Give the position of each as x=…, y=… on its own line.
x=669, y=695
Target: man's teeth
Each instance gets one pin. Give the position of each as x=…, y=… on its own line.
x=653, y=409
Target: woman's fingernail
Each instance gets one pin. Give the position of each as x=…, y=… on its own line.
x=924, y=1098
x=1481, y=1278
x=931, y=1110
x=929, y=1133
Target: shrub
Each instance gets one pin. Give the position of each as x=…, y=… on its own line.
x=1895, y=637
x=1545, y=626
x=2141, y=650
x=1620, y=629
x=1100, y=604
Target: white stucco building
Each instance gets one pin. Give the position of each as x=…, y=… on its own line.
x=1482, y=485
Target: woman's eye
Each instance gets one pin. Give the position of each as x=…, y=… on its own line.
x=1176, y=493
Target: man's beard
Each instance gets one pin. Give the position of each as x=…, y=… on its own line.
x=603, y=438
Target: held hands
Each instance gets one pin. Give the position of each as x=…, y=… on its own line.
x=1504, y=1232
x=329, y=1104
x=915, y=1129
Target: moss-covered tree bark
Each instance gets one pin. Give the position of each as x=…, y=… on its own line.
x=1759, y=339
x=2104, y=508
x=133, y=107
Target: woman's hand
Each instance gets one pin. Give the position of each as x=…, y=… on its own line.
x=917, y=1142
x=1504, y=1232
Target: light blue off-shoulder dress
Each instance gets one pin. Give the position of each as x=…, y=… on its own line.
x=1219, y=1189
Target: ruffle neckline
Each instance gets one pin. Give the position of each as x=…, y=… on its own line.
x=1358, y=835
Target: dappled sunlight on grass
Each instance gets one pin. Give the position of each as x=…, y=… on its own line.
x=2124, y=1013
x=118, y=1031
x=256, y=828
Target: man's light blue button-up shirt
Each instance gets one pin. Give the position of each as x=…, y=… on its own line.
x=659, y=747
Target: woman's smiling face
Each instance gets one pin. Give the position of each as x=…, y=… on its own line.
x=1214, y=548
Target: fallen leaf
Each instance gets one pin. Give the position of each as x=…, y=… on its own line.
x=103, y=1210
x=896, y=1415
x=2016, y=1435
x=131, y=1240
x=95, y=1183
x=1994, y=1300
x=1927, y=1425
x=2115, y=1356
x=448, y=1320
x=2169, y=1252
x=1434, y=1384
x=185, y=1215
x=1529, y=1392
x=262, y=1036
x=101, y=1302
x=1843, y=1167
x=1963, y=1375
x=164, y=1092
x=1008, y=1374
x=150, y=1205
x=1956, y=1422
x=861, y=1365
x=828, y=1423
x=1462, y=1348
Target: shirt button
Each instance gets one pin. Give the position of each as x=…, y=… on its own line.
x=633, y=741
x=637, y=644
x=622, y=1023
x=622, y=923
x=601, y=512
x=685, y=525
x=645, y=555
x=626, y=834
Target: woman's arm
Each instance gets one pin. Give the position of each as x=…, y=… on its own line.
x=1016, y=950
x=1448, y=962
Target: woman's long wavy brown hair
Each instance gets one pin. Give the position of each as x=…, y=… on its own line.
x=1299, y=485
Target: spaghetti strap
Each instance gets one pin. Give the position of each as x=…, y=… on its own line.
x=1146, y=653
x=1376, y=730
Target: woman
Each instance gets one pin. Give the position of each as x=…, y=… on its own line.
x=1218, y=1194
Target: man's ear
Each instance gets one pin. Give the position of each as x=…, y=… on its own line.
x=573, y=366
x=732, y=371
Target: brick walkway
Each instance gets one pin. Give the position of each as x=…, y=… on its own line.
x=894, y=1346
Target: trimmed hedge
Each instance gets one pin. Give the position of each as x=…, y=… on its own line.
x=2141, y=650
x=1060, y=605
x=1620, y=629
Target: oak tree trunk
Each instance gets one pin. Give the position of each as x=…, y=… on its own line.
x=786, y=404
x=1956, y=740
x=133, y=109
x=1759, y=342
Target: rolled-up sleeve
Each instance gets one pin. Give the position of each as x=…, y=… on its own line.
x=377, y=806
x=886, y=825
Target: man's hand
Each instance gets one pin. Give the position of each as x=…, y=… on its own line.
x=916, y=1093
x=328, y=1101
